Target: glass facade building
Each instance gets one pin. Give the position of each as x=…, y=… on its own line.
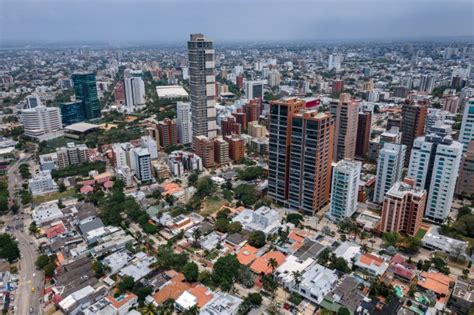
x=85, y=88
x=72, y=112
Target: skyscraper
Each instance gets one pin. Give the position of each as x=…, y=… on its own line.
x=467, y=126
x=389, y=168
x=347, y=113
x=310, y=161
x=72, y=112
x=86, y=90
x=363, y=133
x=403, y=208
x=426, y=83
x=281, y=119
x=434, y=166
x=183, y=122
x=413, y=123
x=344, y=189
x=134, y=92
x=202, y=85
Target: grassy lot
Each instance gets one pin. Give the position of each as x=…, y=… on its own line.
x=54, y=196
x=420, y=234
x=211, y=205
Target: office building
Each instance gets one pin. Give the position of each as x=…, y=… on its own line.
x=363, y=133
x=347, y=116
x=142, y=164
x=426, y=83
x=204, y=148
x=40, y=121
x=281, y=119
x=403, y=208
x=434, y=165
x=202, y=85
x=413, y=124
x=254, y=89
x=168, y=133
x=134, y=93
x=389, y=168
x=221, y=151
x=465, y=184
x=72, y=112
x=32, y=101
x=309, y=162
x=236, y=147
x=72, y=154
x=467, y=125
x=85, y=88
x=344, y=189
x=183, y=122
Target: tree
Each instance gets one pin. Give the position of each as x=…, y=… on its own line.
x=297, y=277
x=42, y=261
x=99, y=269
x=205, y=187
x=250, y=173
x=273, y=264
x=257, y=239
x=225, y=271
x=412, y=245
x=255, y=299
x=191, y=272
x=391, y=238
x=247, y=194
x=234, y=227
x=126, y=284
x=62, y=187
x=294, y=218
x=49, y=269
x=192, y=179
x=196, y=236
x=221, y=225
x=33, y=228
x=269, y=284
x=191, y=311
x=8, y=248
x=246, y=277
x=343, y=311
x=464, y=210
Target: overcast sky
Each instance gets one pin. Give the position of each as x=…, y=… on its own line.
x=173, y=20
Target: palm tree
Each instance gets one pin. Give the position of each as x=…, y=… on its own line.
x=148, y=309
x=297, y=278
x=273, y=264
x=196, y=236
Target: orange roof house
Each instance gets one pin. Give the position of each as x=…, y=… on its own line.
x=247, y=254
x=260, y=265
x=173, y=289
x=124, y=299
x=436, y=282
x=202, y=294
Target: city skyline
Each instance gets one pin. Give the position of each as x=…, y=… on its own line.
x=144, y=21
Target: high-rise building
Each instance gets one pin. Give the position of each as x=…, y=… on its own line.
x=183, y=122
x=426, y=83
x=151, y=144
x=337, y=86
x=229, y=126
x=363, y=133
x=433, y=117
x=236, y=147
x=168, y=133
x=121, y=156
x=119, y=93
x=240, y=118
x=394, y=121
x=221, y=151
x=347, y=116
x=202, y=84
x=32, y=101
x=85, y=88
x=205, y=150
x=274, y=78
x=41, y=121
x=334, y=62
x=281, y=119
x=254, y=89
x=252, y=109
x=403, y=208
x=72, y=154
x=467, y=125
x=142, y=164
x=72, y=112
x=344, y=189
x=434, y=166
x=465, y=184
x=389, y=168
x=450, y=103
x=310, y=161
x=256, y=130
x=413, y=123
x=134, y=92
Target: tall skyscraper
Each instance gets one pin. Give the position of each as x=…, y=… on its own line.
x=344, y=189
x=347, y=115
x=281, y=119
x=310, y=161
x=467, y=126
x=363, y=133
x=202, y=84
x=183, y=122
x=134, y=92
x=40, y=121
x=434, y=166
x=413, y=123
x=85, y=88
x=403, y=208
x=389, y=168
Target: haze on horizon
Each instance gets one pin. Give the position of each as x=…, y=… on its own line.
x=232, y=20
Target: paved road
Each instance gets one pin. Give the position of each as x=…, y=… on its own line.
x=24, y=297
